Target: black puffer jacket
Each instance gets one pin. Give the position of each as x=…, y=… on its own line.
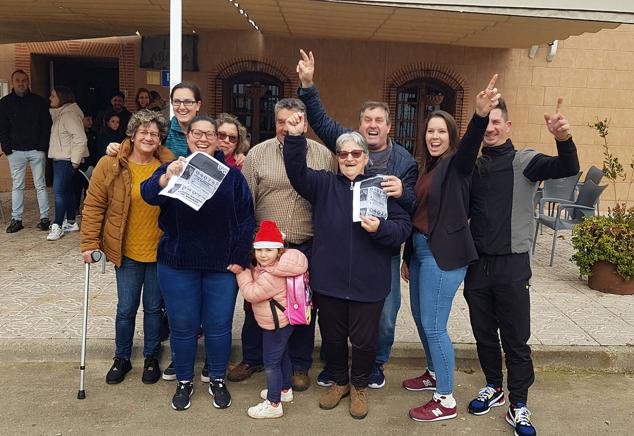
x=25, y=123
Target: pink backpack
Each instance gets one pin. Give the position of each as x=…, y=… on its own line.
x=299, y=301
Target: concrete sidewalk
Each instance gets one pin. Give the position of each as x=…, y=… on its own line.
x=41, y=294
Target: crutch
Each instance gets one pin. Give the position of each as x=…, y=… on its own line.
x=96, y=257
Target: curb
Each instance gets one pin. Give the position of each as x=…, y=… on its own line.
x=605, y=359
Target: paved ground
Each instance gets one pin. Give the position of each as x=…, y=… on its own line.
x=578, y=404
x=41, y=293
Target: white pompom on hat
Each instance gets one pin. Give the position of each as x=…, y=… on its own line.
x=269, y=236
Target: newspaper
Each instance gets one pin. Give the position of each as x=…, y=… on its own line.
x=198, y=182
x=369, y=199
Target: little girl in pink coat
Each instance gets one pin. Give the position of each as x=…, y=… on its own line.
x=259, y=285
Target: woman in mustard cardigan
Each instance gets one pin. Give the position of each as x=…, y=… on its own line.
x=117, y=221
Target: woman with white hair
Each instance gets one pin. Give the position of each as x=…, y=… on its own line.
x=350, y=265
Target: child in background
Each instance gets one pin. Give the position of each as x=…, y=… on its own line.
x=108, y=133
x=259, y=285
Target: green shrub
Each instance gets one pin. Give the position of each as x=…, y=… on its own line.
x=609, y=238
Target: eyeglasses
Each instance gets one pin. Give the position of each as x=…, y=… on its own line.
x=232, y=138
x=144, y=133
x=356, y=154
x=186, y=103
x=198, y=134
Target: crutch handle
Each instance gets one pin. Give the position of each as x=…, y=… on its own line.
x=96, y=255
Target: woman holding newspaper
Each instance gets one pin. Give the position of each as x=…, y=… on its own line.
x=197, y=256
x=350, y=268
x=118, y=221
x=442, y=246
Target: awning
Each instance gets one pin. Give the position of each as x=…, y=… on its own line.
x=492, y=23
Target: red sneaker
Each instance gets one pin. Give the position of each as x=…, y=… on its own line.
x=432, y=411
x=421, y=383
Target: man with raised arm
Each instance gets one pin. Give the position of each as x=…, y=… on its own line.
x=497, y=286
x=386, y=158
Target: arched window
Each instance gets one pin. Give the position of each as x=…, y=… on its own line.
x=251, y=96
x=414, y=101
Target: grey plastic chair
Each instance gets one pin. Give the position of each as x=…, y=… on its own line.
x=595, y=174
x=582, y=208
x=556, y=191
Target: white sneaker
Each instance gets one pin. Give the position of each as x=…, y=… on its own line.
x=67, y=227
x=286, y=397
x=55, y=233
x=265, y=410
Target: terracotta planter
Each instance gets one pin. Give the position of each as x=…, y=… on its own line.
x=604, y=278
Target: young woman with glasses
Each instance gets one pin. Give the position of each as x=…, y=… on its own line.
x=186, y=100
x=197, y=256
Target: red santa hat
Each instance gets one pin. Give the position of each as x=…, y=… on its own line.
x=269, y=236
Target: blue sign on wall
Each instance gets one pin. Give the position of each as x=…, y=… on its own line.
x=165, y=78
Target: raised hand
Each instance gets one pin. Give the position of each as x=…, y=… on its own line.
x=557, y=124
x=295, y=124
x=306, y=68
x=488, y=99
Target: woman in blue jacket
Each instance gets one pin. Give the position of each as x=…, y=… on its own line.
x=197, y=255
x=350, y=265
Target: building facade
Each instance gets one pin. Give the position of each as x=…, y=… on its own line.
x=246, y=72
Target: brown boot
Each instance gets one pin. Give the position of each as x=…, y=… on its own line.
x=332, y=396
x=243, y=371
x=300, y=380
x=358, y=402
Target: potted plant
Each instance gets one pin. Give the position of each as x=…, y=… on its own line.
x=605, y=250
x=605, y=244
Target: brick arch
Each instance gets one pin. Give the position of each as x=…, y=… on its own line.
x=425, y=70
x=230, y=68
x=124, y=51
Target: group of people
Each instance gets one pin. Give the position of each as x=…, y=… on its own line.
x=32, y=130
x=464, y=213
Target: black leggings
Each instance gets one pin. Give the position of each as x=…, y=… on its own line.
x=339, y=320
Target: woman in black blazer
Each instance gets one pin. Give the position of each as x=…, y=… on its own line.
x=442, y=245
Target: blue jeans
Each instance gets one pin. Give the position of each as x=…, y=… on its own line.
x=277, y=361
x=192, y=298
x=387, y=323
x=432, y=291
x=132, y=276
x=17, y=163
x=64, y=192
